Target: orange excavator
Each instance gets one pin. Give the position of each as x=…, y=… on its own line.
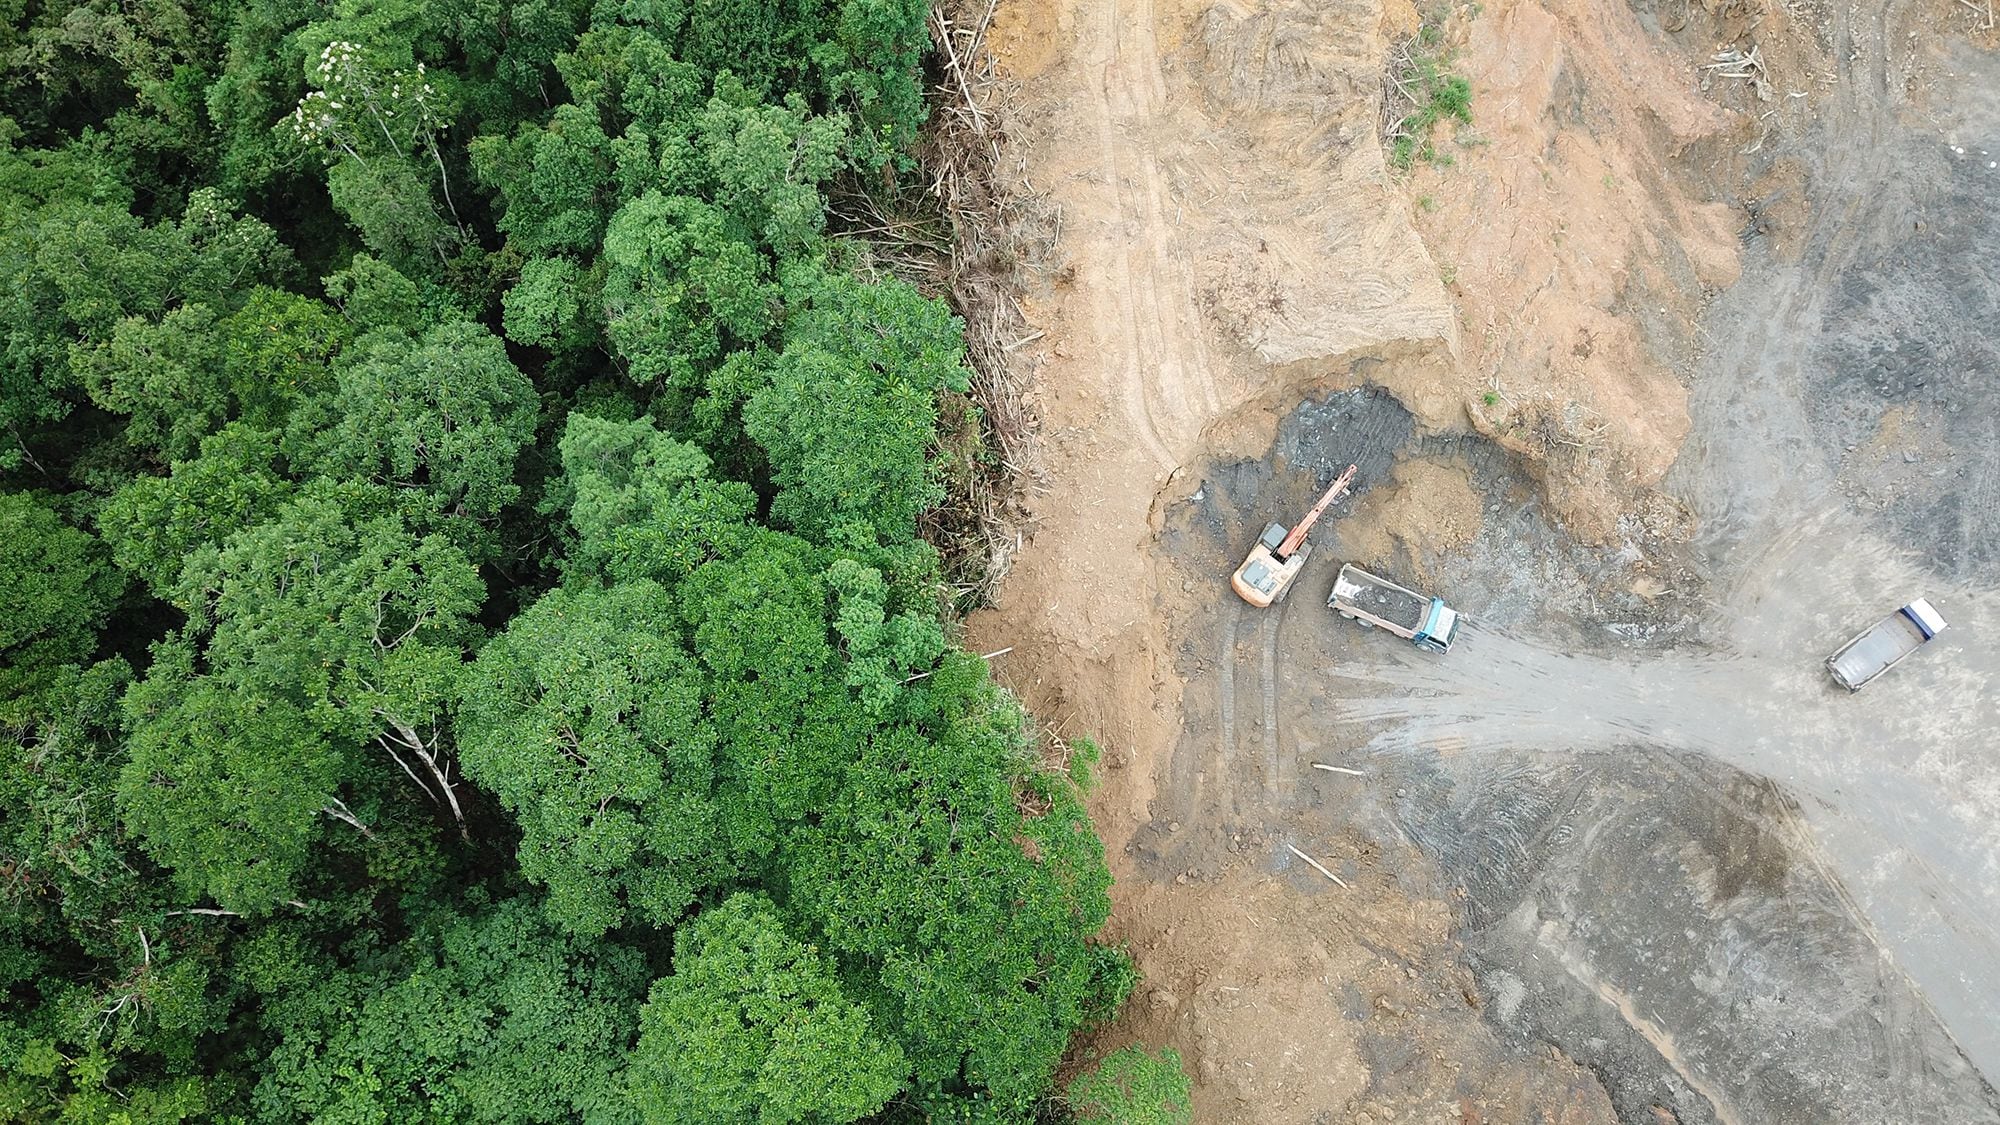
x=1279, y=555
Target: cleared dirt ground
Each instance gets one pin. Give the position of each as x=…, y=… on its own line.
x=1671, y=383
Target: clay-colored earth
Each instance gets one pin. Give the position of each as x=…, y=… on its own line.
x=1233, y=241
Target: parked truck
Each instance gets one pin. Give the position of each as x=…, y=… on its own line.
x=1882, y=645
x=1372, y=600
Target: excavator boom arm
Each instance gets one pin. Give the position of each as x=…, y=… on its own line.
x=1298, y=536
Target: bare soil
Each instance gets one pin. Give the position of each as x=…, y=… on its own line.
x=1621, y=856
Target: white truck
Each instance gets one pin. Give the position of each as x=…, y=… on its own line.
x=1372, y=600
x=1882, y=645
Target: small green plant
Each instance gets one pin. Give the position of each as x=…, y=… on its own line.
x=1422, y=73
x=1083, y=758
x=1132, y=1087
x=1448, y=274
x=1427, y=203
x=1491, y=399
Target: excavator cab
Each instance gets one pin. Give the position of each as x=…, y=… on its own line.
x=1280, y=553
x=1263, y=578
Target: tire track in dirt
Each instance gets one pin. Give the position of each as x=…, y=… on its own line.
x=1222, y=799
x=1275, y=773
x=1883, y=832
x=1230, y=786
x=1749, y=498
x=1167, y=260
x=1147, y=313
x=1120, y=325
x=1221, y=767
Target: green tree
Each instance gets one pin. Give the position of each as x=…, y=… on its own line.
x=767, y=162
x=225, y=787
x=179, y=379
x=871, y=60
x=58, y=772
x=850, y=413
x=787, y=723
x=680, y=288
x=329, y=627
x=494, y=1016
x=258, y=80
x=765, y=44
x=629, y=75
x=311, y=601
x=389, y=201
x=1132, y=1087
x=585, y=719
x=973, y=915
x=71, y=271
x=57, y=590
x=107, y=978
x=642, y=503
x=754, y=1027
x=553, y=306
x=558, y=183
x=278, y=350
x=445, y=412
x=373, y=294
x=379, y=127
x=154, y=524
x=882, y=651
x=137, y=67
x=167, y=378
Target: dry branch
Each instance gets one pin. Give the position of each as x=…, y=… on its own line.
x=1317, y=866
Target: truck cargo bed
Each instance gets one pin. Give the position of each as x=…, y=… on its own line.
x=1378, y=598
x=1407, y=610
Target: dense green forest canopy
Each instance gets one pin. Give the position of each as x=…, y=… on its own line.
x=468, y=653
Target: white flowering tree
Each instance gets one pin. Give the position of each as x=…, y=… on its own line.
x=384, y=123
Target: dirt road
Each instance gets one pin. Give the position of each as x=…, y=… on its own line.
x=1624, y=855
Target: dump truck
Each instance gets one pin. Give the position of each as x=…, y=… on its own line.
x=1884, y=644
x=1279, y=555
x=1373, y=600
